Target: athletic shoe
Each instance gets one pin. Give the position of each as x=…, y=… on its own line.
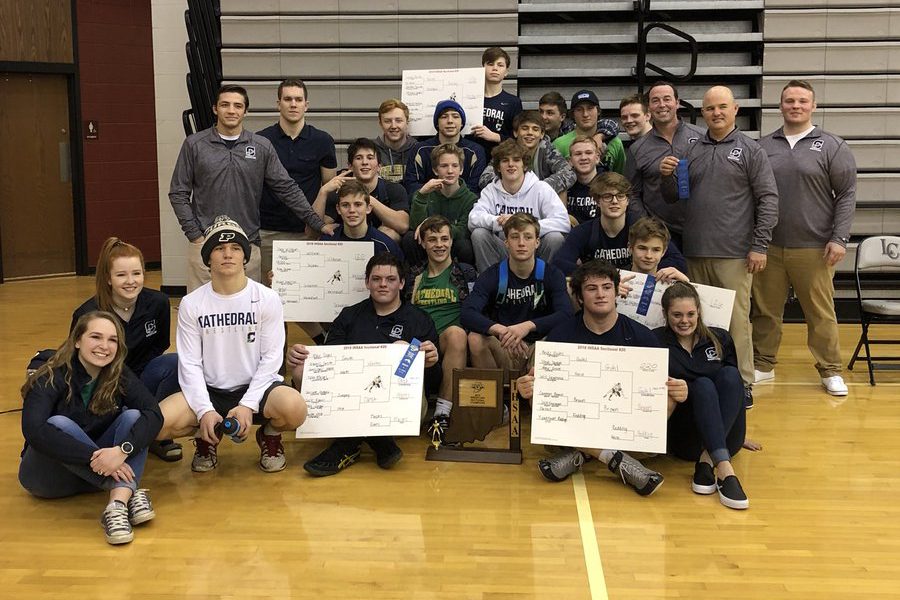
x=835, y=385
x=559, y=466
x=333, y=459
x=763, y=376
x=140, y=510
x=167, y=450
x=438, y=428
x=115, y=523
x=387, y=452
x=731, y=494
x=704, y=481
x=748, y=398
x=633, y=473
x=205, y=456
x=271, y=451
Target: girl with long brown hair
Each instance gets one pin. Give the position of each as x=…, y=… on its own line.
x=87, y=421
x=144, y=315
x=708, y=427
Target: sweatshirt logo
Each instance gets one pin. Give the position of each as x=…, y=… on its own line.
x=250, y=152
x=150, y=328
x=817, y=145
x=735, y=154
x=503, y=209
x=712, y=355
x=691, y=140
x=397, y=332
x=232, y=319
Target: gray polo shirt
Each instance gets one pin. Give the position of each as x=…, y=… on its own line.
x=733, y=205
x=642, y=170
x=211, y=179
x=817, y=187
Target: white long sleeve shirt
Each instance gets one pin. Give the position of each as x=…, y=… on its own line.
x=535, y=197
x=226, y=342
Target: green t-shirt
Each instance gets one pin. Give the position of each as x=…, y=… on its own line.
x=614, y=160
x=87, y=391
x=439, y=298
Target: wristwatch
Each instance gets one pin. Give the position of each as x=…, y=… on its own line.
x=127, y=448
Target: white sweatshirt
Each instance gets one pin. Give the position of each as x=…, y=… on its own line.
x=535, y=197
x=227, y=342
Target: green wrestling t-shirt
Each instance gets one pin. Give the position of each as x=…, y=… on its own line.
x=439, y=298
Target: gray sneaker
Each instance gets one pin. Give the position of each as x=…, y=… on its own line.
x=633, y=473
x=140, y=509
x=559, y=466
x=115, y=523
x=271, y=451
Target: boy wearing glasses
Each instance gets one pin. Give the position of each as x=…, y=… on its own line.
x=606, y=237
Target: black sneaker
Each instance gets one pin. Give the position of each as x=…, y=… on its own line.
x=333, y=459
x=731, y=494
x=633, y=473
x=438, y=428
x=387, y=452
x=704, y=481
x=748, y=397
x=559, y=466
x=115, y=523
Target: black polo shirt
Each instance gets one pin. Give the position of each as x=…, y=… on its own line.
x=625, y=332
x=146, y=333
x=302, y=158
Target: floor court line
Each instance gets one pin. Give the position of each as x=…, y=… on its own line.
x=596, y=579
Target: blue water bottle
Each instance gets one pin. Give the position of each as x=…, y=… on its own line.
x=684, y=182
x=231, y=427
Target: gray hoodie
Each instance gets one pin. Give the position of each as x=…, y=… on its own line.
x=392, y=163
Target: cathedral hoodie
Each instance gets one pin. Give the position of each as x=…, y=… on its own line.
x=535, y=197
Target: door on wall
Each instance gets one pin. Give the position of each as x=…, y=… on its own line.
x=37, y=232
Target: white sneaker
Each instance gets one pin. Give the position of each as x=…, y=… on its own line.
x=763, y=376
x=835, y=385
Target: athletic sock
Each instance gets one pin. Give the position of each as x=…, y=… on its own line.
x=442, y=407
x=269, y=430
x=606, y=456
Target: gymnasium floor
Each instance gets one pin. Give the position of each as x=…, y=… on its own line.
x=824, y=520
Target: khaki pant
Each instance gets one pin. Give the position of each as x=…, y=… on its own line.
x=268, y=236
x=731, y=273
x=812, y=279
x=198, y=273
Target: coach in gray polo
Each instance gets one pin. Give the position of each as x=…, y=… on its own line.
x=729, y=217
x=670, y=136
x=816, y=176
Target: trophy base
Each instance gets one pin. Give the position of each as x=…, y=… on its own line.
x=475, y=455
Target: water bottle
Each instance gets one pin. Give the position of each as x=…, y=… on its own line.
x=231, y=427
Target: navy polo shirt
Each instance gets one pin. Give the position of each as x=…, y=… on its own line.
x=302, y=157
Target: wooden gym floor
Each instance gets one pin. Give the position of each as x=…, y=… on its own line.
x=824, y=520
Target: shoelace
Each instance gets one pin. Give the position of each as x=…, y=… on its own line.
x=116, y=519
x=626, y=468
x=204, y=448
x=140, y=501
x=271, y=445
x=576, y=459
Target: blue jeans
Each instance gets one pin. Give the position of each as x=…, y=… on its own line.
x=712, y=418
x=160, y=376
x=45, y=477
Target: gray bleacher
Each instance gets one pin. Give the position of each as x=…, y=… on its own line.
x=850, y=51
x=351, y=54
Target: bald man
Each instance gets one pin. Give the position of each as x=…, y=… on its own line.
x=730, y=215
